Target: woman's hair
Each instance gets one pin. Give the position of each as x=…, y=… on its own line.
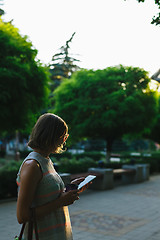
x=48, y=133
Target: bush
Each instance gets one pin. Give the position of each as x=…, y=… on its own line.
x=69, y=164
x=8, y=175
x=96, y=156
x=114, y=165
x=2, y=153
x=75, y=166
x=153, y=162
x=2, y=162
x=62, y=155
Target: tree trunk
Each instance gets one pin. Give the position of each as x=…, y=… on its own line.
x=109, y=144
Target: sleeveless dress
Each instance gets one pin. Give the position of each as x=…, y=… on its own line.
x=56, y=225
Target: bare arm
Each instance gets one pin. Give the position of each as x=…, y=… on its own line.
x=30, y=176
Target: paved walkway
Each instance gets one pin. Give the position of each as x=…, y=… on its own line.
x=128, y=212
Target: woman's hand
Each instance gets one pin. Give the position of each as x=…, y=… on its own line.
x=77, y=180
x=68, y=198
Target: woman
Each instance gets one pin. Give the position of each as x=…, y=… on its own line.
x=40, y=186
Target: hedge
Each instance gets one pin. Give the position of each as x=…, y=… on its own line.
x=69, y=164
x=75, y=166
x=8, y=174
x=93, y=155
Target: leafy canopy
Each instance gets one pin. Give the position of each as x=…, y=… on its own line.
x=154, y=134
x=155, y=19
x=106, y=103
x=1, y=10
x=23, y=81
x=62, y=64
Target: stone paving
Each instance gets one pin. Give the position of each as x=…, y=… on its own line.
x=127, y=212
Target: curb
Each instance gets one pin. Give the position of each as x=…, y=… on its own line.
x=7, y=200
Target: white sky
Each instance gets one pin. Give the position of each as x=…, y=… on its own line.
x=108, y=32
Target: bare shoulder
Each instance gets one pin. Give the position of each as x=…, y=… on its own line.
x=31, y=163
x=31, y=168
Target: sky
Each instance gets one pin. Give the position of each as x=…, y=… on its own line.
x=108, y=32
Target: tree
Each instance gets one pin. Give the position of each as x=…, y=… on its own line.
x=23, y=81
x=106, y=104
x=62, y=64
x=1, y=10
x=154, y=134
x=155, y=19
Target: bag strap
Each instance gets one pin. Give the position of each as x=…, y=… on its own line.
x=30, y=226
x=32, y=221
x=21, y=232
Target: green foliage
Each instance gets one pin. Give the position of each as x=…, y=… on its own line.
x=1, y=10
x=2, y=153
x=62, y=155
x=23, y=81
x=114, y=165
x=9, y=170
x=62, y=65
x=96, y=156
x=2, y=161
x=8, y=174
x=106, y=104
x=155, y=19
x=154, y=134
x=153, y=161
x=76, y=166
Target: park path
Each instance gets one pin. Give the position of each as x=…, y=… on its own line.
x=127, y=212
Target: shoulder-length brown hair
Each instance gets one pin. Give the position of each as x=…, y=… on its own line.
x=48, y=133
